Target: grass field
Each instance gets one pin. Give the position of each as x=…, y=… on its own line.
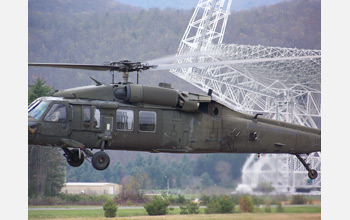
x=299, y=212
x=237, y=216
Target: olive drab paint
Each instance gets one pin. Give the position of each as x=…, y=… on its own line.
x=127, y=116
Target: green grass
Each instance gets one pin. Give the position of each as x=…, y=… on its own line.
x=301, y=209
x=64, y=206
x=40, y=214
x=176, y=211
x=45, y=214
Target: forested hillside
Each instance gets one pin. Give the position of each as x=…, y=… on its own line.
x=188, y=4
x=286, y=24
x=95, y=31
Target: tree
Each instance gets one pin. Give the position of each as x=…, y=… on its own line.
x=114, y=173
x=140, y=160
x=45, y=171
x=158, y=206
x=212, y=207
x=38, y=89
x=219, y=167
x=222, y=204
x=267, y=208
x=298, y=200
x=155, y=171
x=130, y=188
x=279, y=208
x=192, y=208
x=45, y=164
x=181, y=199
x=223, y=170
x=226, y=205
x=144, y=181
x=265, y=187
x=110, y=209
x=246, y=204
x=206, y=180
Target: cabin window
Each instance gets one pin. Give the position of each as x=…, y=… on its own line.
x=86, y=116
x=57, y=113
x=147, y=121
x=97, y=117
x=125, y=120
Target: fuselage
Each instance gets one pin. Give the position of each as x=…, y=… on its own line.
x=212, y=128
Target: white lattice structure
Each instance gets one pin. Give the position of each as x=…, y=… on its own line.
x=284, y=172
x=206, y=27
x=281, y=83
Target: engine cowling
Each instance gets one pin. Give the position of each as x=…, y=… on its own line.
x=135, y=93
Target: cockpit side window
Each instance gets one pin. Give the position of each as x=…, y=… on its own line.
x=57, y=113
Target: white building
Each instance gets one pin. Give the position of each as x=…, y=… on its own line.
x=91, y=188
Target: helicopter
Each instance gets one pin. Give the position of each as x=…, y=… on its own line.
x=135, y=117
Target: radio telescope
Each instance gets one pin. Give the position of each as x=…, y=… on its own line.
x=280, y=83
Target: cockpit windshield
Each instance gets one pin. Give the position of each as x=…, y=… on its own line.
x=33, y=105
x=37, y=108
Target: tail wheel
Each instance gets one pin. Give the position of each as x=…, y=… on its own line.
x=100, y=160
x=74, y=159
x=312, y=174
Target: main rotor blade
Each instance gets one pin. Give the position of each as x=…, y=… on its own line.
x=229, y=62
x=77, y=66
x=173, y=58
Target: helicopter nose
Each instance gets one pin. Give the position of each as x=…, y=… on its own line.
x=32, y=123
x=32, y=128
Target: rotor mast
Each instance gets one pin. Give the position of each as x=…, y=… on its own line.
x=125, y=76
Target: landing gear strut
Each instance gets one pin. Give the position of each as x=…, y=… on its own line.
x=74, y=157
x=312, y=172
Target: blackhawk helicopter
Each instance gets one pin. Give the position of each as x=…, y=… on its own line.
x=127, y=116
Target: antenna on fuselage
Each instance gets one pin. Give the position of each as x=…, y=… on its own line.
x=112, y=76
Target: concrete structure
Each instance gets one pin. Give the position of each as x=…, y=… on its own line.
x=91, y=188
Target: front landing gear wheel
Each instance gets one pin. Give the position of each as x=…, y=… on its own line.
x=74, y=159
x=312, y=174
x=100, y=160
